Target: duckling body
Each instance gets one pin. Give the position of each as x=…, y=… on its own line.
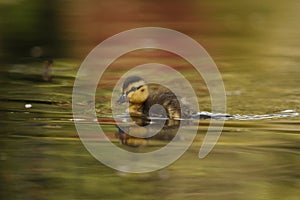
x=162, y=96
x=143, y=96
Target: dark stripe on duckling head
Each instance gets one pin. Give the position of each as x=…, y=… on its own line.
x=130, y=80
x=133, y=89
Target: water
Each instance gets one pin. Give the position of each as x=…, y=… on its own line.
x=43, y=158
x=256, y=157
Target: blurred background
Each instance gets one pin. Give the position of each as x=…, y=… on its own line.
x=255, y=44
x=72, y=28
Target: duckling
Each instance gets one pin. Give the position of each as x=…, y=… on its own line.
x=141, y=96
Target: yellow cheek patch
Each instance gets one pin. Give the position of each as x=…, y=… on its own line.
x=139, y=96
x=130, y=95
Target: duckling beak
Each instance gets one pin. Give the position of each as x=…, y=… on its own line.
x=122, y=99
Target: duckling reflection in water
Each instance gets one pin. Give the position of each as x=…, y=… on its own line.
x=142, y=98
x=167, y=133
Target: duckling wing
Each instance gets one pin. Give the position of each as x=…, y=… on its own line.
x=167, y=100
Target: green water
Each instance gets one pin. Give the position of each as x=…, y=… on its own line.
x=257, y=52
x=43, y=158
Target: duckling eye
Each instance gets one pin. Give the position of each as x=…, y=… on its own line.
x=142, y=90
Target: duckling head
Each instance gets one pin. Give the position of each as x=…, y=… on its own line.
x=134, y=90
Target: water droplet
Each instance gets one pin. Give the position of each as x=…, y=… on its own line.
x=28, y=105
